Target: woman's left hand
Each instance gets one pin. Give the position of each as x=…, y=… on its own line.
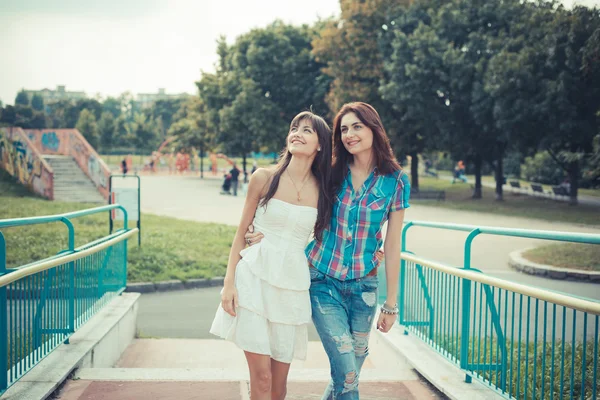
x=385, y=322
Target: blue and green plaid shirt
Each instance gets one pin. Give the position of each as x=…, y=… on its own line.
x=349, y=246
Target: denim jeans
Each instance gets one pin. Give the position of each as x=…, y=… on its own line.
x=343, y=313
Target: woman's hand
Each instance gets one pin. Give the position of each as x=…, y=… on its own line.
x=252, y=237
x=385, y=322
x=229, y=299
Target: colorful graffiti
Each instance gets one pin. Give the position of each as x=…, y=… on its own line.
x=21, y=160
x=69, y=142
x=50, y=141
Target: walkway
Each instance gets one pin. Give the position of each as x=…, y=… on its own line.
x=199, y=200
x=180, y=369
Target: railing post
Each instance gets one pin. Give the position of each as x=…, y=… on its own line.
x=3, y=318
x=466, y=308
x=71, y=277
x=402, y=286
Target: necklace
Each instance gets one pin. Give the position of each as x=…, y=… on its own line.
x=294, y=183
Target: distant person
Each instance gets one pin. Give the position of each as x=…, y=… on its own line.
x=460, y=172
x=428, y=166
x=235, y=174
x=124, y=168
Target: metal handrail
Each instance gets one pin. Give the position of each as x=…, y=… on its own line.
x=63, y=259
x=542, y=294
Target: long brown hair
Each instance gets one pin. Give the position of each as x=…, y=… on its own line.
x=385, y=160
x=321, y=169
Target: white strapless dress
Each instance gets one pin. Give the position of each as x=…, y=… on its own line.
x=272, y=280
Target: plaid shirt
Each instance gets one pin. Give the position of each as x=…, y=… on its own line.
x=355, y=231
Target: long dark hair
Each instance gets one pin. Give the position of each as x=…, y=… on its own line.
x=321, y=169
x=385, y=160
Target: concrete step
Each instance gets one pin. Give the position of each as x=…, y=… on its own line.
x=70, y=183
x=235, y=390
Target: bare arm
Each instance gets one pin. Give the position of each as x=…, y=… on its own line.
x=392, y=247
x=257, y=183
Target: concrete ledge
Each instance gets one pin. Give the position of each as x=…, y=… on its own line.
x=149, y=287
x=98, y=344
x=520, y=263
x=445, y=376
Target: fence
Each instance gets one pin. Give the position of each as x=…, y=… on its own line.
x=43, y=303
x=523, y=342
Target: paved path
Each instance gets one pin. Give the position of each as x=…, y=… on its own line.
x=199, y=200
x=182, y=369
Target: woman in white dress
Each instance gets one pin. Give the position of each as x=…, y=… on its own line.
x=265, y=304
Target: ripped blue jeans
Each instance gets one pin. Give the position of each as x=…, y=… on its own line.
x=343, y=313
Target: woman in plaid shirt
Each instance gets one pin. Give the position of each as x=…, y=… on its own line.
x=370, y=188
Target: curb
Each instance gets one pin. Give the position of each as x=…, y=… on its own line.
x=167, y=286
x=520, y=263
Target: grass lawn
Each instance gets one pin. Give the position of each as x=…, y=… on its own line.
x=458, y=197
x=171, y=248
x=570, y=255
x=490, y=179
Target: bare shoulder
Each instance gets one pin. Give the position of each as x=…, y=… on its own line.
x=260, y=180
x=262, y=176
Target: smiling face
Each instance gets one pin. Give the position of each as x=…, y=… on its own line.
x=356, y=136
x=303, y=139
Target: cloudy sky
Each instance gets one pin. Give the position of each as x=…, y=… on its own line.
x=112, y=46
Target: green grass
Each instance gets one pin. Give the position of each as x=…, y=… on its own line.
x=570, y=255
x=171, y=248
x=524, y=359
x=458, y=197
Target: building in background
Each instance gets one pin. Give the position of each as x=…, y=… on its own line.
x=147, y=99
x=54, y=95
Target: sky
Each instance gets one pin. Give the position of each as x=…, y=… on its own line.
x=111, y=46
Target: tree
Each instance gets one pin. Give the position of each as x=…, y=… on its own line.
x=112, y=105
x=164, y=111
x=247, y=120
x=193, y=128
x=144, y=132
x=121, y=135
x=86, y=125
x=37, y=102
x=106, y=129
x=22, y=98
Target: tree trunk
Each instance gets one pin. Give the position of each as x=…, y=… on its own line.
x=414, y=171
x=574, y=182
x=201, y=162
x=477, y=194
x=244, y=167
x=499, y=176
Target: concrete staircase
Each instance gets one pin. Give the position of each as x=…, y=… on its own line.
x=215, y=369
x=70, y=183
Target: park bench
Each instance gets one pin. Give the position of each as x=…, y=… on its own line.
x=517, y=185
x=560, y=191
x=428, y=194
x=537, y=188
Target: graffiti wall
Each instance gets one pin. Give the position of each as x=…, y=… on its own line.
x=21, y=159
x=69, y=142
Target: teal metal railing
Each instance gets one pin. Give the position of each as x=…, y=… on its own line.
x=521, y=341
x=43, y=303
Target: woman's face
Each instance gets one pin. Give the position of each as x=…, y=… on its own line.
x=356, y=136
x=303, y=139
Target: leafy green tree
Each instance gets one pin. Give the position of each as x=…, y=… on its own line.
x=121, y=135
x=87, y=126
x=106, y=129
x=37, y=102
x=22, y=98
x=164, y=111
x=144, y=132
x=112, y=105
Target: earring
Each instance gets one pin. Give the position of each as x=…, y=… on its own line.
x=319, y=149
